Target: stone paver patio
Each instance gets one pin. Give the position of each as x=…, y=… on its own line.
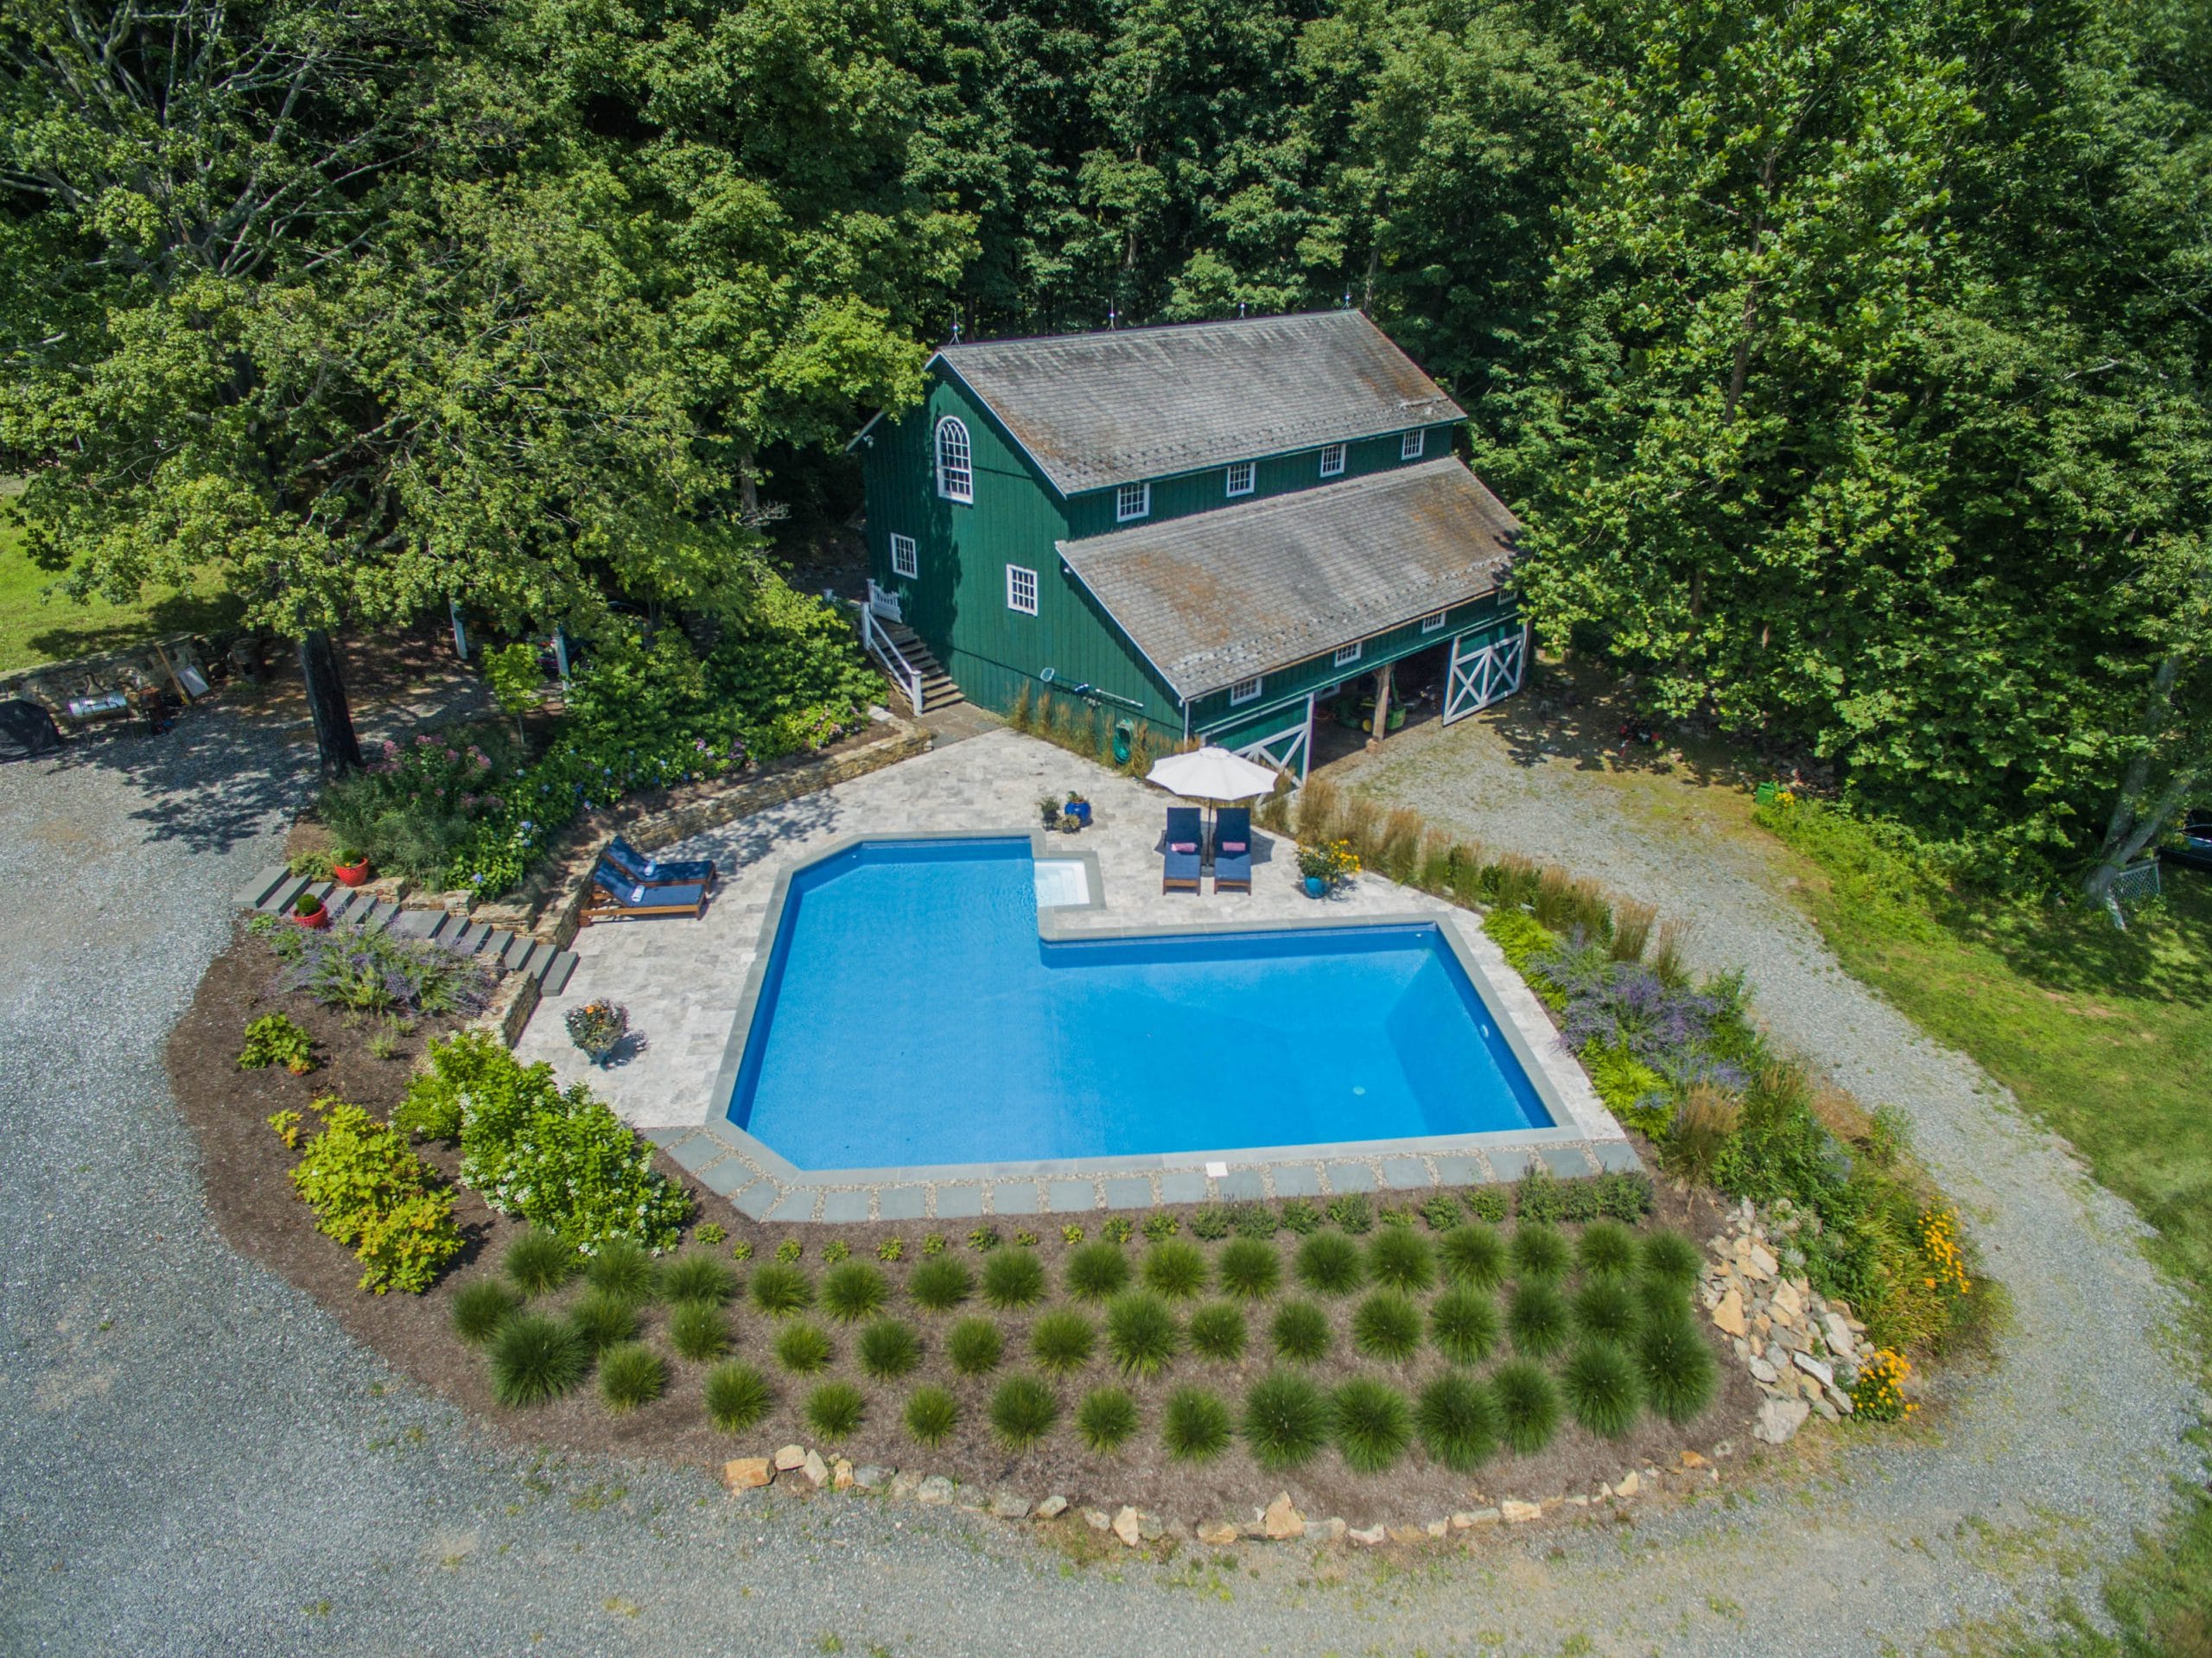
x=685, y=984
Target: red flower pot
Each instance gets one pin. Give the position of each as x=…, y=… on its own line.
x=350, y=874
x=313, y=923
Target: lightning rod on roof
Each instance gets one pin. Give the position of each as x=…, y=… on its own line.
x=956, y=333
x=1111, y=315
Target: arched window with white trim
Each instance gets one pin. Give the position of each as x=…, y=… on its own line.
x=956, y=475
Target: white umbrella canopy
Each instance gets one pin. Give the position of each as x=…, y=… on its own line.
x=1212, y=773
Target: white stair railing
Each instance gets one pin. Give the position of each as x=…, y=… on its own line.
x=892, y=660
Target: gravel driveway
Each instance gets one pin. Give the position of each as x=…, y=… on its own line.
x=194, y=1460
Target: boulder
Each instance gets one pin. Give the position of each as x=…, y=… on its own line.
x=1330, y=1530
x=1217, y=1533
x=903, y=1486
x=1519, y=1514
x=1823, y=1374
x=1006, y=1505
x=1779, y=1419
x=748, y=1473
x=1728, y=1317
x=1128, y=1526
x=790, y=1459
x=1051, y=1508
x=1281, y=1523
x=1368, y=1536
x=1098, y=1518
x=1406, y=1536
x=1630, y=1484
x=815, y=1469
x=873, y=1476
x=935, y=1491
x=841, y=1474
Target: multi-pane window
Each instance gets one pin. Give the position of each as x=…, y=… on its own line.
x=1240, y=478
x=1132, y=501
x=1245, y=690
x=1346, y=653
x=1332, y=460
x=1430, y=623
x=1411, y=445
x=905, y=561
x=955, y=473
x=1021, y=590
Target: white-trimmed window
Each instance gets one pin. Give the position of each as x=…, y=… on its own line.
x=1021, y=590
x=1132, y=501
x=1245, y=690
x=955, y=472
x=1240, y=477
x=906, y=560
x=1430, y=623
x=1346, y=654
x=1411, y=445
x=1332, y=460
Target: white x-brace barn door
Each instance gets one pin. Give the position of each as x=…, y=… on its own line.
x=1481, y=674
x=1288, y=750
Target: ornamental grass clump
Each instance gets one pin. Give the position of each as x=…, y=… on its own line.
x=932, y=1414
x=1301, y=1332
x=1606, y=1248
x=620, y=1268
x=1286, y=1421
x=1678, y=1368
x=603, y=1320
x=1527, y=1405
x=738, y=1396
x=533, y=1359
x=1670, y=1258
x=1329, y=1263
x=698, y=1330
x=780, y=1289
x=1217, y=1332
x=1463, y=1325
x=853, y=1291
x=698, y=1278
x=1457, y=1424
x=1250, y=1269
x=1013, y=1279
x=538, y=1262
x=1537, y=1318
x=1063, y=1341
x=975, y=1347
x=1474, y=1255
x=1098, y=1272
x=1606, y=1309
x=835, y=1410
x=1174, y=1269
x=1373, y=1425
x=1602, y=1388
x=1400, y=1258
x=630, y=1374
x=1106, y=1418
x=478, y=1310
x=1142, y=1334
x=803, y=1349
x=889, y=1350
x=1195, y=1425
x=1540, y=1253
x=1023, y=1410
x=1387, y=1326
x=940, y=1283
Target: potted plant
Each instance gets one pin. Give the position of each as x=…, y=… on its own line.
x=1048, y=809
x=350, y=868
x=308, y=912
x=1078, y=810
x=1326, y=864
x=598, y=1028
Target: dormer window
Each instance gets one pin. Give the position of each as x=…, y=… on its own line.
x=1345, y=655
x=956, y=475
x=1244, y=690
x=1240, y=477
x=1411, y=445
x=1132, y=501
x=1332, y=460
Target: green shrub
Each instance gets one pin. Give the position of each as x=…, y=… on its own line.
x=1142, y=1334
x=889, y=1350
x=1607, y=1248
x=1457, y=1424
x=1300, y=1217
x=1440, y=1211
x=1463, y=1325
x=630, y=1374
x=698, y=1278
x=1174, y=1269
x=1302, y=1332
x=1161, y=1226
x=349, y=967
x=1624, y=1196
x=1540, y=1253
x=1115, y=1228
x=1387, y=1326
x=1536, y=1315
x=479, y=1308
x=975, y=1347
x=1013, y=1279
x=1023, y=1410
x=603, y=1320
x=278, y=1039
x=1195, y=1425
x=536, y=1262
x=835, y=1410
x=853, y=1291
x=1673, y=1259
x=1527, y=1405
x=1374, y=1425
x=1677, y=1367
x=940, y=1283
x=1400, y=1259
x=1330, y=1263
x=1603, y=1391
x=780, y=1289
x=1351, y=1213
x=1487, y=1205
x=1254, y=1221
x=1063, y=1341
x=1097, y=1271
x=1473, y=1255
x=619, y=1267
x=1250, y=1269
x=1106, y=1418
x=738, y=1396
x=803, y=1349
x=698, y=1330
x=534, y=1359
x=1217, y=1332
x=1286, y=1421
x=931, y=1415
x=1212, y=1223
x=370, y=1192
x=1606, y=1308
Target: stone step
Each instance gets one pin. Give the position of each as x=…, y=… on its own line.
x=495, y=946
x=250, y=895
x=468, y=936
x=518, y=950
x=557, y=971
x=416, y=923
x=280, y=898
x=378, y=915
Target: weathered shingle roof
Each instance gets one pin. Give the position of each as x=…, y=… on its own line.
x=1095, y=410
x=1219, y=596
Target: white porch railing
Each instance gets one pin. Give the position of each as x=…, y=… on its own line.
x=893, y=660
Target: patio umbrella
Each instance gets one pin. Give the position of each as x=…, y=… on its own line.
x=1212, y=774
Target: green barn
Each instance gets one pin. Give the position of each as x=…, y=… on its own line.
x=1213, y=530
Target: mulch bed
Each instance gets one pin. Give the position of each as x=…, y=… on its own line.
x=255, y=1207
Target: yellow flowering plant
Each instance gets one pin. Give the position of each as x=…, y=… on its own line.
x=1940, y=1248
x=1878, y=1394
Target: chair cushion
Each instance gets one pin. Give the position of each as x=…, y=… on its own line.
x=1183, y=846
x=1233, y=846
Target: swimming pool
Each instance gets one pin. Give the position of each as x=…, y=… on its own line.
x=909, y=1014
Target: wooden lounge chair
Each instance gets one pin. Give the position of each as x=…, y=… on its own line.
x=615, y=897
x=677, y=872
x=1232, y=850
x=1184, y=840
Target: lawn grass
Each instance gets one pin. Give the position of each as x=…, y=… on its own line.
x=37, y=628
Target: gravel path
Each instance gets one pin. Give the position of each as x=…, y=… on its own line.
x=194, y=1460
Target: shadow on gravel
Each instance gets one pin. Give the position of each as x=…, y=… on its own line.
x=219, y=776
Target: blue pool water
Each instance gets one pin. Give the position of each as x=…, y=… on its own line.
x=910, y=1014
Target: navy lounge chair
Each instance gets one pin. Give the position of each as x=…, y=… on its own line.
x=640, y=869
x=1184, y=840
x=1232, y=850
x=615, y=897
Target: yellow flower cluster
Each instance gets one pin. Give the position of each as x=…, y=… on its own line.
x=1878, y=1394
x=1939, y=1247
